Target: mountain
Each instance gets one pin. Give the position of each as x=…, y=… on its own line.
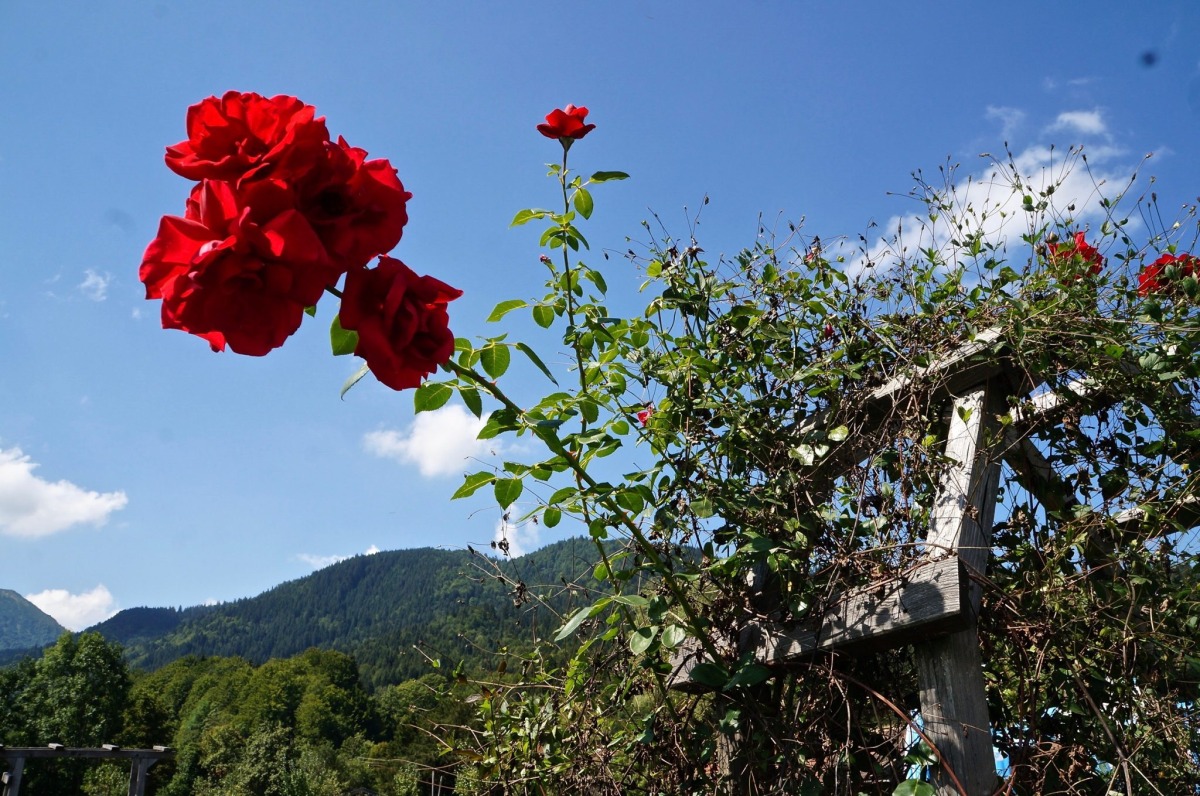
x=23, y=625
x=393, y=611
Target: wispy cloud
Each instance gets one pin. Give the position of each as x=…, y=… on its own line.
x=320, y=562
x=94, y=286
x=989, y=201
x=1080, y=122
x=1010, y=119
x=439, y=443
x=32, y=507
x=76, y=611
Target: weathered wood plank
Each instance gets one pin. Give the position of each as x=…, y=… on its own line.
x=58, y=750
x=927, y=600
x=924, y=601
x=949, y=668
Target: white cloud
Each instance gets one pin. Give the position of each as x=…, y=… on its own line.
x=1081, y=122
x=520, y=539
x=438, y=442
x=320, y=562
x=990, y=203
x=76, y=611
x=1010, y=118
x=94, y=286
x=32, y=507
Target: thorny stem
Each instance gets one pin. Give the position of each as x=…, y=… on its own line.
x=557, y=447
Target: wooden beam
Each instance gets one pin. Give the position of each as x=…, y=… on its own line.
x=949, y=668
x=927, y=600
x=924, y=601
x=58, y=750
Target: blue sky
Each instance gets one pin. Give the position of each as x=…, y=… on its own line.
x=139, y=468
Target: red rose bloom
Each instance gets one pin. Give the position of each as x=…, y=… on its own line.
x=239, y=268
x=566, y=123
x=358, y=207
x=644, y=415
x=1080, y=251
x=240, y=136
x=1153, y=278
x=401, y=320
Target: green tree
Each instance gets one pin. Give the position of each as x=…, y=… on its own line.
x=77, y=697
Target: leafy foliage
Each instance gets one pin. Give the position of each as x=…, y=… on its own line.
x=781, y=411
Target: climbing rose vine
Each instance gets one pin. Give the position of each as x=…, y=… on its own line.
x=281, y=212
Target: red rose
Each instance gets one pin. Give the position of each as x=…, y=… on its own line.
x=1078, y=251
x=1153, y=279
x=239, y=268
x=240, y=136
x=401, y=320
x=566, y=123
x=358, y=207
x=645, y=415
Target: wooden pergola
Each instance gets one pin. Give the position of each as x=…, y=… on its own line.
x=140, y=761
x=934, y=604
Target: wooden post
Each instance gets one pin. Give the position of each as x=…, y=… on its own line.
x=949, y=668
x=12, y=778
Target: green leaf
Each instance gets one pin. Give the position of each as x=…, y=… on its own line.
x=342, y=340
x=355, y=379
x=431, y=395
x=583, y=202
x=495, y=359
x=581, y=616
x=505, y=307
x=914, y=787
x=525, y=216
x=543, y=315
x=632, y=600
x=709, y=674
x=642, y=639
x=631, y=501
x=551, y=516
x=573, y=623
x=840, y=433
x=472, y=483
x=752, y=674
x=470, y=397
x=507, y=491
x=673, y=636
x=535, y=359
x=606, y=176
x=702, y=508
x=311, y=310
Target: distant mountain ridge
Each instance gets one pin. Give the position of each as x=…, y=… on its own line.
x=453, y=605
x=23, y=625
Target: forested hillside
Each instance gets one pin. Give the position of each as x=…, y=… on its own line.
x=381, y=608
x=23, y=624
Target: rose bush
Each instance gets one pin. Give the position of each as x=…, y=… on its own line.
x=744, y=485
